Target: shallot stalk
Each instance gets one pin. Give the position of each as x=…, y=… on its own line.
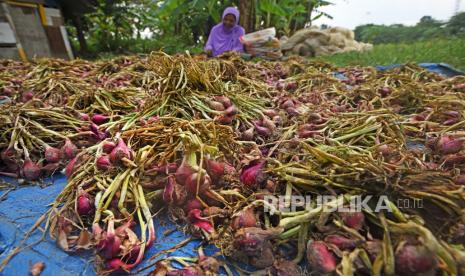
x=110, y=245
x=289, y=222
x=143, y=213
x=51, y=154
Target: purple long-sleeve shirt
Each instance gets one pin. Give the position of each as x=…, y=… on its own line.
x=223, y=39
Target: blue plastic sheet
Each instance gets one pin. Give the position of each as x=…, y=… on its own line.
x=21, y=207
x=440, y=68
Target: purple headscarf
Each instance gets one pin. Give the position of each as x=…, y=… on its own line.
x=222, y=39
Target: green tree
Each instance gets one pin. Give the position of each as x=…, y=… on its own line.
x=456, y=24
x=177, y=25
x=288, y=16
x=428, y=21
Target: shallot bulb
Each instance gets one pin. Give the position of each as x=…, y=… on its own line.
x=449, y=145
x=83, y=116
x=193, y=204
x=342, y=242
x=217, y=106
x=320, y=258
x=198, y=182
x=108, y=146
x=265, y=258
x=69, y=169
x=31, y=171
x=187, y=271
x=231, y=111
x=197, y=220
x=119, y=152
x=165, y=169
x=385, y=91
x=248, y=134
x=460, y=180
x=223, y=100
x=292, y=111
x=414, y=260
x=173, y=192
x=8, y=91
x=354, y=220
x=270, y=112
x=216, y=170
x=99, y=119
x=84, y=205
x=52, y=155
x=451, y=160
x=109, y=246
x=27, y=96
x=69, y=149
x=245, y=218
x=263, y=131
x=252, y=175
x=103, y=163
x=224, y=119
x=252, y=240
x=268, y=124
x=186, y=169
x=10, y=158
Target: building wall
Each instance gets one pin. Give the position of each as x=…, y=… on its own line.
x=30, y=31
x=40, y=30
x=9, y=53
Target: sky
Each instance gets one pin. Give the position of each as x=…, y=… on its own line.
x=351, y=13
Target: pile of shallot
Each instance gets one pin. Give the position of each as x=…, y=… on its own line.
x=286, y=167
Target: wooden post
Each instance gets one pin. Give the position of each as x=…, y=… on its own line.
x=247, y=17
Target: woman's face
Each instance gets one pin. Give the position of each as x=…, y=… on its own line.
x=229, y=21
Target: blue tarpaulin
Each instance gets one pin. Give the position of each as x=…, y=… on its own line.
x=21, y=206
x=440, y=68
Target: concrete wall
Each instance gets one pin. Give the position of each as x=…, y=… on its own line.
x=30, y=31
x=9, y=53
x=39, y=39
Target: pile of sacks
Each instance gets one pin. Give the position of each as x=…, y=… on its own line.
x=319, y=42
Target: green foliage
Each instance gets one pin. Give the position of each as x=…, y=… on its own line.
x=427, y=29
x=114, y=23
x=287, y=16
x=179, y=25
x=451, y=51
x=456, y=24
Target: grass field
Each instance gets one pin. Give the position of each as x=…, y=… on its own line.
x=451, y=51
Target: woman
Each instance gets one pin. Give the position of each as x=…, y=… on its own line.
x=225, y=35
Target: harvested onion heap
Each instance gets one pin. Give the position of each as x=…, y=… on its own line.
x=207, y=141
